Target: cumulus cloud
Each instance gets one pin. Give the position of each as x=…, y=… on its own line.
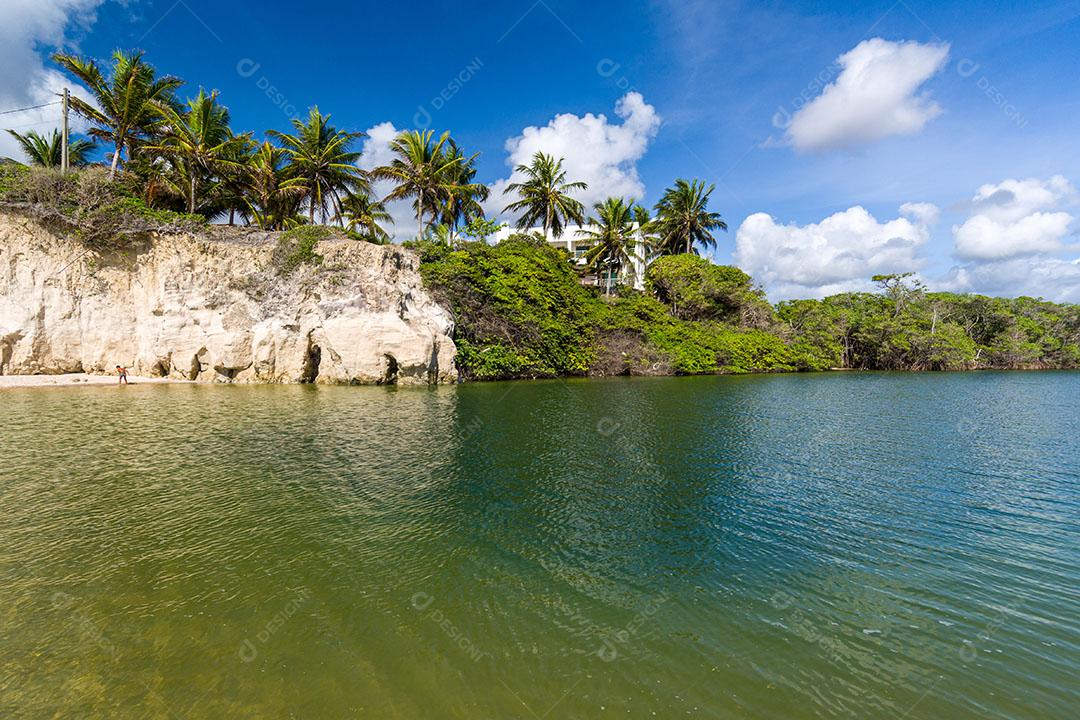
x=1052, y=278
x=1014, y=218
x=596, y=150
x=839, y=254
x=376, y=152
x=28, y=29
x=1013, y=239
x=876, y=95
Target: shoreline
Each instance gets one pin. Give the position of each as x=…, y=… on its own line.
x=12, y=382
x=76, y=380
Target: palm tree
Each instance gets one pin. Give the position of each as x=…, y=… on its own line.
x=46, y=151
x=272, y=193
x=233, y=180
x=421, y=170
x=545, y=196
x=462, y=198
x=646, y=229
x=199, y=146
x=364, y=214
x=612, y=233
x=323, y=157
x=683, y=218
x=126, y=104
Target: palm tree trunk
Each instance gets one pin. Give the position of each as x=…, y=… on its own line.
x=232, y=215
x=115, y=160
x=311, y=210
x=191, y=195
x=420, y=229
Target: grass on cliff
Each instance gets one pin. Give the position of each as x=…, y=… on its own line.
x=98, y=212
x=296, y=247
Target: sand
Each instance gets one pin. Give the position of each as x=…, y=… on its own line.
x=73, y=380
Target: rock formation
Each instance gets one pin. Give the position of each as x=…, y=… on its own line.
x=214, y=307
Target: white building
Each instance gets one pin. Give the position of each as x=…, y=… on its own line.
x=577, y=246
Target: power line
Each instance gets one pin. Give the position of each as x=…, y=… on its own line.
x=32, y=107
x=39, y=123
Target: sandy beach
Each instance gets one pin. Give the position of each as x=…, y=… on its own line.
x=73, y=380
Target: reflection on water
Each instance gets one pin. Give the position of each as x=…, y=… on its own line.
x=866, y=545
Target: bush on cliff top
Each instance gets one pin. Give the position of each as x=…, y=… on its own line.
x=518, y=307
x=87, y=204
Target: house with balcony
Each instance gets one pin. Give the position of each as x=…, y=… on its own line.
x=577, y=246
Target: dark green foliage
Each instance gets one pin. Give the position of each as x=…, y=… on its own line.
x=518, y=308
x=686, y=347
x=910, y=329
x=296, y=247
x=696, y=289
x=521, y=312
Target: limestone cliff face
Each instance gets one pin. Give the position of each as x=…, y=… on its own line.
x=212, y=308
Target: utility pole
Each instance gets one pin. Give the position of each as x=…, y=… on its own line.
x=64, y=137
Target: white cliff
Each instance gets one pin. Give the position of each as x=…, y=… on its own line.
x=213, y=308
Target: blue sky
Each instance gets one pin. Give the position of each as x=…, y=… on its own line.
x=985, y=131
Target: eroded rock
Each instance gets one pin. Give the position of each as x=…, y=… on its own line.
x=211, y=308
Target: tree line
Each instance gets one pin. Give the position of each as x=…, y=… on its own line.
x=183, y=155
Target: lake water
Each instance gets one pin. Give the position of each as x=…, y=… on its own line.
x=803, y=546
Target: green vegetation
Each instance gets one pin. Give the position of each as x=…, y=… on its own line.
x=695, y=289
x=296, y=247
x=908, y=328
x=683, y=219
x=611, y=231
x=129, y=103
x=521, y=312
x=437, y=175
x=95, y=209
x=518, y=306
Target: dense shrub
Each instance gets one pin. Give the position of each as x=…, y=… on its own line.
x=696, y=289
x=932, y=331
x=518, y=306
x=521, y=312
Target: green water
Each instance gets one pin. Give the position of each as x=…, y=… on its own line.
x=839, y=545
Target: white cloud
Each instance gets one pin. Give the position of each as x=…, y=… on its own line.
x=1009, y=242
x=596, y=151
x=28, y=30
x=874, y=96
x=839, y=254
x=1051, y=278
x=375, y=152
x=1016, y=217
x=924, y=213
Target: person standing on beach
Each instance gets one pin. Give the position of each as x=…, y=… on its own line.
x=122, y=372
